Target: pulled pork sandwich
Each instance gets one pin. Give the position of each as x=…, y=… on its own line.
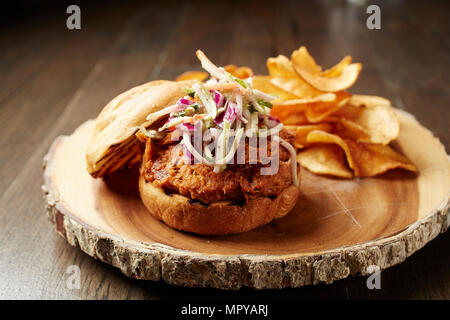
x=213, y=160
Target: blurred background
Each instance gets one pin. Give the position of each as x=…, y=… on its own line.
x=121, y=44
x=52, y=79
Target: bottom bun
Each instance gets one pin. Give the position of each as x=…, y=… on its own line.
x=217, y=218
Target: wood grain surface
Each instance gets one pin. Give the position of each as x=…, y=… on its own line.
x=53, y=79
x=338, y=227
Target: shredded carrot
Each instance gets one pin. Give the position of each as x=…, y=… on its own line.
x=141, y=136
x=209, y=66
x=198, y=117
x=148, y=150
x=222, y=86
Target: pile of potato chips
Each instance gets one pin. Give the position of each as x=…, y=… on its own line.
x=337, y=133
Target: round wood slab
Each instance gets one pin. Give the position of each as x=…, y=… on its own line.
x=339, y=227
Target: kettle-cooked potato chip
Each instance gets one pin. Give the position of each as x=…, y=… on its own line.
x=281, y=67
x=302, y=131
x=318, y=111
x=296, y=86
x=264, y=84
x=358, y=100
x=366, y=160
x=285, y=77
x=286, y=109
x=345, y=80
x=310, y=110
x=375, y=124
x=303, y=60
x=373, y=159
x=325, y=137
x=290, y=118
x=336, y=70
x=193, y=75
x=326, y=159
x=337, y=78
x=239, y=72
x=326, y=97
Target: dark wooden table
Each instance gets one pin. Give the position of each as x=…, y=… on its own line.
x=53, y=79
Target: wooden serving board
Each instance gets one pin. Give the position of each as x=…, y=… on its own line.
x=339, y=227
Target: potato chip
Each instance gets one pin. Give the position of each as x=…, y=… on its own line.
x=290, y=111
x=317, y=112
x=348, y=129
x=285, y=77
x=239, y=72
x=310, y=111
x=375, y=124
x=301, y=132
x=326, y=159
x=244, y=72
x=293, y=111
x=336, y=70
x=263, y=83
x=366, y=160
x=193, y=75
x=296, y=86
x=289, y=117
x=230, y=68
x=326, y=97
x=373, y=159
x=340, y=134
x=358, y=100
x=303, y=60
x=281, y=67
x=337, y=78
x=346, y=79
x=325, y=137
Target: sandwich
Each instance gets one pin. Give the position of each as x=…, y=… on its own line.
x=213, y=161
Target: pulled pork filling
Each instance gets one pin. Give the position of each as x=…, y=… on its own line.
x=227, y=113
x=164, y=165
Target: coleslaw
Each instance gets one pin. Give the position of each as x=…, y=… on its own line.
x=227, y=109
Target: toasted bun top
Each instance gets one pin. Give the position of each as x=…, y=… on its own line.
x=113, y=142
